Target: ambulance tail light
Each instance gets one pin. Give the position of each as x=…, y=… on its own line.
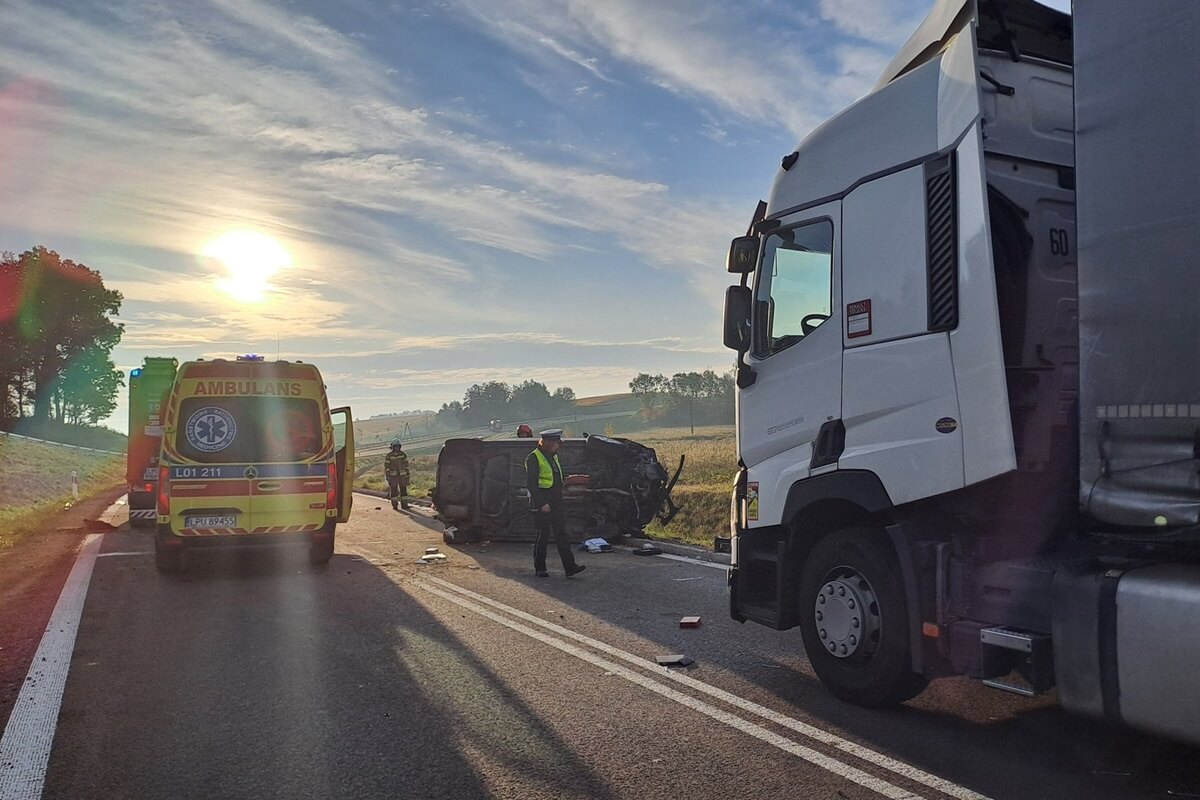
x=164, y=496
x=331, y=493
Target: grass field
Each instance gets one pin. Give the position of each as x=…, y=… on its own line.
x=35, y=479
x=702, y=492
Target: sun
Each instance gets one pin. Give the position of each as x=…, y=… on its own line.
x=250, y=259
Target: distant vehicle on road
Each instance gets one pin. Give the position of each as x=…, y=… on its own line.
x=251, y=455
x=148, y=387
x=612, y=487
x=496, y=426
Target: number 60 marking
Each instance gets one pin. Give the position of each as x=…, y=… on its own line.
x=1059, y=244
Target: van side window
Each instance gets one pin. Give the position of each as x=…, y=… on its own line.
x=794, y=289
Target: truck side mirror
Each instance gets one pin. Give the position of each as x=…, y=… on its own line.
x=743, y=255
x=737, y=318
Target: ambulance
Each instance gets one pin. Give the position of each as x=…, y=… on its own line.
x=251, y=455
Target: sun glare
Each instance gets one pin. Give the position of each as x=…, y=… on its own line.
x=250, y=259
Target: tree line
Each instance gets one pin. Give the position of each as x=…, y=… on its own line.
x=56, y=338
x=690, y=398
x=484, y=402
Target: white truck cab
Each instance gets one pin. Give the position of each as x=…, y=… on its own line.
x=909, y=419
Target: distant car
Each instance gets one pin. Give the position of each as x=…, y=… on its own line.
x=496, y=426
x=612, y=487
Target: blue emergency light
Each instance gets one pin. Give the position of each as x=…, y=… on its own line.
x=133, y=373
x=250, y=357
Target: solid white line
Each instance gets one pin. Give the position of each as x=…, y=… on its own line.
x=25, y=746
x=697, y=562
x=126, y=553
x=813, y=757
x=825, y=737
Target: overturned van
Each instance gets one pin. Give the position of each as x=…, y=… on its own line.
x=611, y=487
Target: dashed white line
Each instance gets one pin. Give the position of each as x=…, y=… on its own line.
x=25, y=746
x=825, y=737
x=813, y=757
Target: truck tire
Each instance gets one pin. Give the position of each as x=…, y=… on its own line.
x=167, y=560
x=854, y=619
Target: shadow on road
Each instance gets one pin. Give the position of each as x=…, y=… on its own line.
x=254, y=675
x=1004, y=746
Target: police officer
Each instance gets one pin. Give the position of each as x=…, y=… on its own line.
x=395, y=469
x=544, y=479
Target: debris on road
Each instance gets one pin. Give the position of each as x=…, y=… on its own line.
x=432, y=556
x=675, y=661
x=689, y=622
x=596, y=546
x=648, y=550
x=98, y=525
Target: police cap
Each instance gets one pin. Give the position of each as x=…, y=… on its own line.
x=552, y=435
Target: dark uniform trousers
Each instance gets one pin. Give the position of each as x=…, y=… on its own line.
x=555, y=520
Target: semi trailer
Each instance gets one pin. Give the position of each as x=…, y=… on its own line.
x=968, y=405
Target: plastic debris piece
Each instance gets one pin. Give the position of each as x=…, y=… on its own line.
x=677, y=660
x=431, y=550
x=689, y=622
x=432, y=558
x=596, y=545
x=648, y=550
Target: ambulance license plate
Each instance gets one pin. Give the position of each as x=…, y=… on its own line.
x=227, y=521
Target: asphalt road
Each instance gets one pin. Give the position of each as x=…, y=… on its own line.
x=256, y=676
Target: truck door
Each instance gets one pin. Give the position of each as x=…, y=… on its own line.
x=796, y=354
x=343, y=450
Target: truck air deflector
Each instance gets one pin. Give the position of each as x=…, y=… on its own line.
x=941, y=237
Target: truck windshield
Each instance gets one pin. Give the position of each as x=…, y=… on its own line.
x=227, y=430
x=794, y=290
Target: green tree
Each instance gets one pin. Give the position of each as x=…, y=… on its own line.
x=648, y=389
x=53, y=313
x=564, y=398
x=486, y=401
x=530, y=399
x=87, y=390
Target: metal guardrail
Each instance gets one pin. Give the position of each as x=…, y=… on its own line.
x=61, y=444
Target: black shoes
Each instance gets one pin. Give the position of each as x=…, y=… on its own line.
x=578, y=568
x=541, y=573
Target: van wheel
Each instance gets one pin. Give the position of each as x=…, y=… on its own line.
x=167, y=560
x=854, y=619
x=319, y=553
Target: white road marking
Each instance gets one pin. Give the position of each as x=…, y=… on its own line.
x=126, y=553
x=694, y=561
x=813, y=757
x=25, y=746
x=825, y=737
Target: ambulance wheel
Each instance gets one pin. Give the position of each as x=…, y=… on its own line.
x=854, y=619
x=319, y=553
x=167, y=560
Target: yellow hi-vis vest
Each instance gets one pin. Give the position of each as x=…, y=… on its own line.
x=545, y=471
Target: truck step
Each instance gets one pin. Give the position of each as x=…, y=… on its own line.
x=1006, y=651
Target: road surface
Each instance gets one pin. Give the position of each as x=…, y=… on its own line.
x=256, y=676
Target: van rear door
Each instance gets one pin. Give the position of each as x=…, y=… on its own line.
x=343, y=451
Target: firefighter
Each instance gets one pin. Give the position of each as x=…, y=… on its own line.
x=395, y=469
x=544, y=479
x=524, y=431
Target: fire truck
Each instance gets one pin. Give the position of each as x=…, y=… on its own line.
x=148, y=387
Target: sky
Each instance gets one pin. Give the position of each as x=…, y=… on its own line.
x=418, y=196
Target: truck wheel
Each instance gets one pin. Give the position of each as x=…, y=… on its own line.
x=167, y=559
x=854, y=619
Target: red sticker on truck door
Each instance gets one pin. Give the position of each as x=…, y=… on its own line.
x=858, y=319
